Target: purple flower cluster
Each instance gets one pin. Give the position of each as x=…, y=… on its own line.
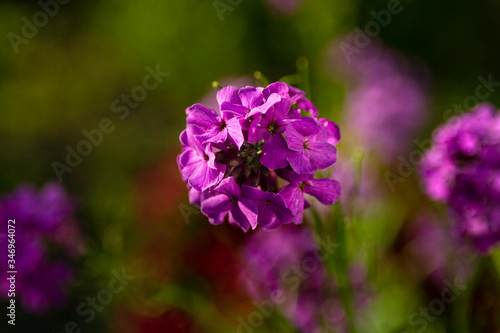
x=254, y=158
x=286, y=267
x=41, y=219
x=387, y=102
x=462, y=169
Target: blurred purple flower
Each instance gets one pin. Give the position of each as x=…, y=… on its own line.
x=386, y=103
x=431, y=252
x=40, y=218
x=462, y=169
x=289, y=262
x=257, y=136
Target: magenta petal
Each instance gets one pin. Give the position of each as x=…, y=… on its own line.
x=229, y=187
x=326, y=190
x=254, y=193
x=238, y=219
x=267, y=217
x=321, y=154
x=250, y=210
x=280, y=110
x=238, y=110
x=306, y=105
x=195, y=197
x=279, y=88
x=204, y=176
x=215, y=135
x=262, y=109
x=250, y=97
x=228, y=94
x=188, y=162
x=217, y=207
x=295, y=140
x=190, y=136
x=201, y=116
x=275, y=152
x=293, y=198
x=234, y=131
x=258, y=130
x=295, y=93
x=279, y=208
x=330, y=130
x=244, y=215
x=305, y=126
x=301, y=162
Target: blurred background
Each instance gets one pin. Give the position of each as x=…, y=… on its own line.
x=65, y=71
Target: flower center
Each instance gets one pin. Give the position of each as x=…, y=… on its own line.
x=222, y=125
x=272, y=128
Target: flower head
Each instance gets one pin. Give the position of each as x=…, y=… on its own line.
x=238, y=159
x=462, y=169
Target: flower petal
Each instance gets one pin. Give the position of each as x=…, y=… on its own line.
x=199, y=115
x=204, y=176
x=301, y=163
x=258, y=130
x=321, y=154
x=244, y=215
x=330, y=130
x=228, y=94
x=326, y=190
x=229, y=187
x=275, y=152
x=273, y=99
x=217, y=207
x=293, y=198
x=234, y=131
x=250, y=97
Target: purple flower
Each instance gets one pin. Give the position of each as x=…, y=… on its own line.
x=326, y=190
x=217, y=128
x=431, y=252
x=233, y=158
x=310, y=150
x=197, y=162
x=40, y=218
x=289, y=262
x=272, y=210
x=386, y=103
x=269, y=127
x=462, y=169
x=229, y=201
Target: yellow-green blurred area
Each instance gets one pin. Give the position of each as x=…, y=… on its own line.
x=64, y=79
